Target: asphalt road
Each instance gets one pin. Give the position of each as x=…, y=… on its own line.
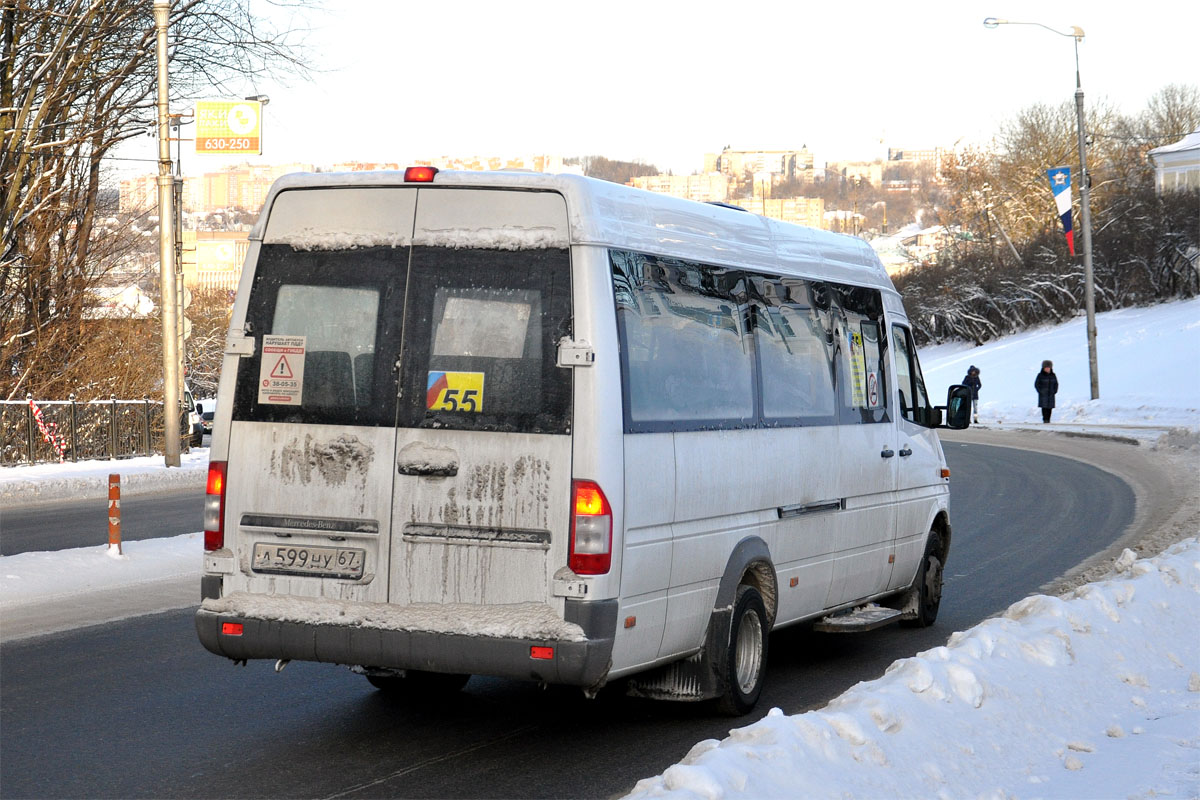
x=138, y=709
x=81, y=523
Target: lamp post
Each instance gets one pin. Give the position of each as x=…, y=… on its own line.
x=166, y=250
x=1089, y=292
x=262, y=101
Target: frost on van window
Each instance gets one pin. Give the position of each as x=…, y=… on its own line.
x=505, y=238
x=684, y=349
x=492, y=324
x=339, y=324
x=323, y=239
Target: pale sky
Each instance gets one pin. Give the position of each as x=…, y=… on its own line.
x=668, y=81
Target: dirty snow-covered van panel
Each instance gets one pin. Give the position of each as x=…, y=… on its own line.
x=493, y=219
x=313, y=219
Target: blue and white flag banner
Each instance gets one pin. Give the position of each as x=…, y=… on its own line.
x=1060, y=184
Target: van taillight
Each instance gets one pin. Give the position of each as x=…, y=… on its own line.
x=420, y=174
x=214, y=507
x=591, y=530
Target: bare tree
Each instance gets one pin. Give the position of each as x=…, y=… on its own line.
x=77, y=78
x=1144, y=245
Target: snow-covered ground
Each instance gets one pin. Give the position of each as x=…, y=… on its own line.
x=1148, y=363
x=86, y=480
x=1094, y=694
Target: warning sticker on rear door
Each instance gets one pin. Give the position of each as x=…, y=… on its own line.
x=281, y=374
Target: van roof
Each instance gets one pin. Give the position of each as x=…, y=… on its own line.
x=611, y=215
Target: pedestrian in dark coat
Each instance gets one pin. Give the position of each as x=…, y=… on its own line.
x=1046, y=384
x=972, y=380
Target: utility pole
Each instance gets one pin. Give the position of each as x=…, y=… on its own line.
x=166, y=249
x=1085, y=194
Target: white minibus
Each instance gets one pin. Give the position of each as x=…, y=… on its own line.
x=555, y=429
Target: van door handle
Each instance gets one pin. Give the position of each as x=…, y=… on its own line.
x=904, y=451
x=431, y=461
x=887, y=453
x=428, y=470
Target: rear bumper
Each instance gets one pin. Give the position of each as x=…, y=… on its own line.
x=579, y=660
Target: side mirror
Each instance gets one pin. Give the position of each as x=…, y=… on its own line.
x=958, y=408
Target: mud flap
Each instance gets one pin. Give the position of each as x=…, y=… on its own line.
x=699, y=677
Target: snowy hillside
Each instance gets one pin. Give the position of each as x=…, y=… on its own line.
x=1149, y=366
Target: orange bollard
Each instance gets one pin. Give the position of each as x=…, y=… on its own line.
x=114, y=512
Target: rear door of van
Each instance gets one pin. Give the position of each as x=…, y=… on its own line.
x=482, y=472
x=402, y=432
x=312, y=438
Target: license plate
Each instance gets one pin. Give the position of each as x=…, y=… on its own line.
x=325, y=562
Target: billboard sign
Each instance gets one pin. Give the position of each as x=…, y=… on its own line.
x=228, y=127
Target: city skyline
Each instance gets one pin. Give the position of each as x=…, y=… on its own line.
x=663, y=84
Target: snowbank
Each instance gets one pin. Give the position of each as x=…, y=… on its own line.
x=1095, y=694
x=88, y=480
x=32, y=578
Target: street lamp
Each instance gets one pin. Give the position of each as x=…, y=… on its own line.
x=1089, y=292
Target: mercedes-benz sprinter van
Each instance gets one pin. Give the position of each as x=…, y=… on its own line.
x=555, y=429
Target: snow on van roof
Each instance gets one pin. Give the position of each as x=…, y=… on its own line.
x=612, y=215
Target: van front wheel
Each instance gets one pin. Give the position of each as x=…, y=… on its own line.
x=746, y=661
x=927, y=589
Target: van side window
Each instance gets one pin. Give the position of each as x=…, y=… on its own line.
x=339, y=301
x=795, y=353
x=686, y=352
x=861, y=349
x=914, y=402
x=481, y=332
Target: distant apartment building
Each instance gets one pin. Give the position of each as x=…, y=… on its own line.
x=362, y=166
x=139, y=194
x=927, y=165
x=787, y=164
x=243, y=186
x=868, y=171
x=706, y=188
x=246, y=186
x=928, y=156
x=532, y=163
x=213, y=259
x=808, y=211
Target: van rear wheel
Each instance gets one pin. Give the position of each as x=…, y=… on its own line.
x=417, y=682
x=746, y=661
x=928, y=585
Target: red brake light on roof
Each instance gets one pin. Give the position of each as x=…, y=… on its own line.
x=420, y=174
x=591, y=530
x=214, y=506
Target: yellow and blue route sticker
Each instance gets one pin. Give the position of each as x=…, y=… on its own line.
x=454, y=391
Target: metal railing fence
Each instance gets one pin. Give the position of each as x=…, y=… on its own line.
x=48, y=431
